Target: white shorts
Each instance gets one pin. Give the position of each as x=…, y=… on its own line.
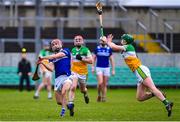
x=142, y=72
x=81, y=78
x=104, y=71
x=46, y=74
x=60, y=81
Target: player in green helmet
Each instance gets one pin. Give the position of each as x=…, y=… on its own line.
x=146, y=88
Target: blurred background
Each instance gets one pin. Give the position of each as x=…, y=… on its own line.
x=153, y=23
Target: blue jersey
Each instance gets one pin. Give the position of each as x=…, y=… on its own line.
x=62, y=65
x=103, y=54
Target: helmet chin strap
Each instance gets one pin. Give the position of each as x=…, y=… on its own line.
x=78, y=46
x=103, y=44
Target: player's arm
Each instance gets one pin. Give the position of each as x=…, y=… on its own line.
x=88, y=59
x=112, y=64
x=113, y=45
x=49, y=66
x=54, y=56
x=93, y=63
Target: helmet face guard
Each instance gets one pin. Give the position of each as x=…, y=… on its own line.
x=128, y=38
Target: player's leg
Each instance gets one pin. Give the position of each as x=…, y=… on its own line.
x=84, y=90
x=150, y=85
x=73, y=89
x=142, y=73
x=49, y=76
x=144, y=77
x=59, y=101
x=40, y=87
x=106, y=74
x=49, y=88
x=64, y=91
x=58, y=97
x=104, y=89
x=99, y=86
x=142, y=94
x=99, y=75
x=148, y=82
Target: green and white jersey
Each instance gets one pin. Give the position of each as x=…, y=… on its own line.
x=130, y=57
x=129, y=51
x=78, y=66
x=44, y=52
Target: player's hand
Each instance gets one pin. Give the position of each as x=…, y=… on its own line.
x=39, y=60
x=110, y=37
x=29, y=73
x=20, y=74
x=78, y=57
x=113, y=72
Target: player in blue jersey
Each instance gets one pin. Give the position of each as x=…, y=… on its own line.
x=103, y=54
x=60, y=61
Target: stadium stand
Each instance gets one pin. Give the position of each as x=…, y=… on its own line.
x=149, y=45
x=176, y=40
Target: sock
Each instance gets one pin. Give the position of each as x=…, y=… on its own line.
x=36, y=93
x=99, y=94
x=63, y=109
x=49, y=95
x=166, y=102
x=70, y=102
x=85, y=94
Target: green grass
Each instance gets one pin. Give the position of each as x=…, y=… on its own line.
x=121, y=105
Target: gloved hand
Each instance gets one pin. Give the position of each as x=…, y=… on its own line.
x=78, y=57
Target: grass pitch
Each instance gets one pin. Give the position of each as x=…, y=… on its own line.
x=121, y=105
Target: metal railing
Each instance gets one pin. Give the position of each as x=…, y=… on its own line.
x=154, y=15
x=60, y=25
x=171, y=26
x=57, y=2
x=141, y=26
x=168, y=27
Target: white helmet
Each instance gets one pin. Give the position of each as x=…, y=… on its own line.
x=103, y=38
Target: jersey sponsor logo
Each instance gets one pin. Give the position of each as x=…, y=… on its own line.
x=103, y=53
x=56, y=60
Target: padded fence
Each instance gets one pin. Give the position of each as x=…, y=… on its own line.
x=162, y=76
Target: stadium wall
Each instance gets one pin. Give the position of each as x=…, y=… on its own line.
x=136, y=13
x=153, y=60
